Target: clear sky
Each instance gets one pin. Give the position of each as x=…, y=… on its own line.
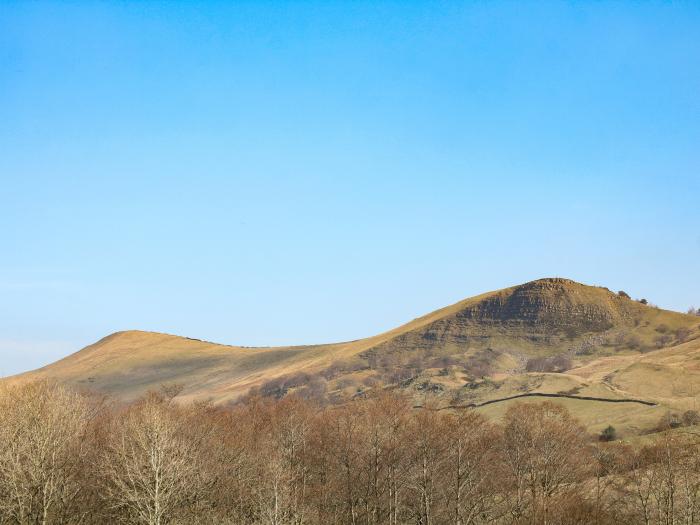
x=300, y=172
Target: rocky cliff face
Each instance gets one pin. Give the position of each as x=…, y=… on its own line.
x=542, y=312
x=555, y=303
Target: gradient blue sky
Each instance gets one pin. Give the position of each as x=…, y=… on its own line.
x=301, y=172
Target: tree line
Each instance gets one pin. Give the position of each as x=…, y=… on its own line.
x=70, y=458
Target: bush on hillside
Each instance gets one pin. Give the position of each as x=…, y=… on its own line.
x=634, y=342
x=690, y=418
x=668, y=421
x=663, y=340
x=682, y=334
x=558, y=363
x=662, y=328
x=608, y=434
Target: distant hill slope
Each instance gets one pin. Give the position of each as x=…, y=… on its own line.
x=549, y=335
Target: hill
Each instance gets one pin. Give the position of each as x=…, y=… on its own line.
x=551, y=336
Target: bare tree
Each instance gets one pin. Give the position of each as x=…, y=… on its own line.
x=41, y=426
x=282, y=490
x=471, y=446
x=150, y=466
x=372, y=461
x=542, y=450
x=427, y=434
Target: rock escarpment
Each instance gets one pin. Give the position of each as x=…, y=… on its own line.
x=545, y=312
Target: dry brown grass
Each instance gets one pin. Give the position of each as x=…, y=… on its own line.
x=548, y=317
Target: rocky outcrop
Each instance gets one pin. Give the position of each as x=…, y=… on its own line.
x=539, y=313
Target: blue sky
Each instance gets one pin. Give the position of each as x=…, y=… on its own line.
x=301, y=172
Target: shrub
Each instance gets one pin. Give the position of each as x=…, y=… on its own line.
x=536, y=364
x=608, y=434
x=557, y=363
x=561, y=363
x=315, y=390
x=571, y=333
x=619, y=339
x=279, y=386
x=682, y=334
x=690, y=418
x=644, y=301
x=370, y=381
x=587, y=348
x=663, y=340
x=276, y=388
x=624, y=294
x=338, y=368
x=669, y=420
x=398, y=375
x=662, y=328
x=634, y=342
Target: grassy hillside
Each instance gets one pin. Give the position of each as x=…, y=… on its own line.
x=669, y=377
x=549, y=336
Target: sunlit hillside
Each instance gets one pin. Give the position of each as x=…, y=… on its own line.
x=551, y=336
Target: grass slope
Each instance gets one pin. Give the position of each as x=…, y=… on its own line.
x=472, y=351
